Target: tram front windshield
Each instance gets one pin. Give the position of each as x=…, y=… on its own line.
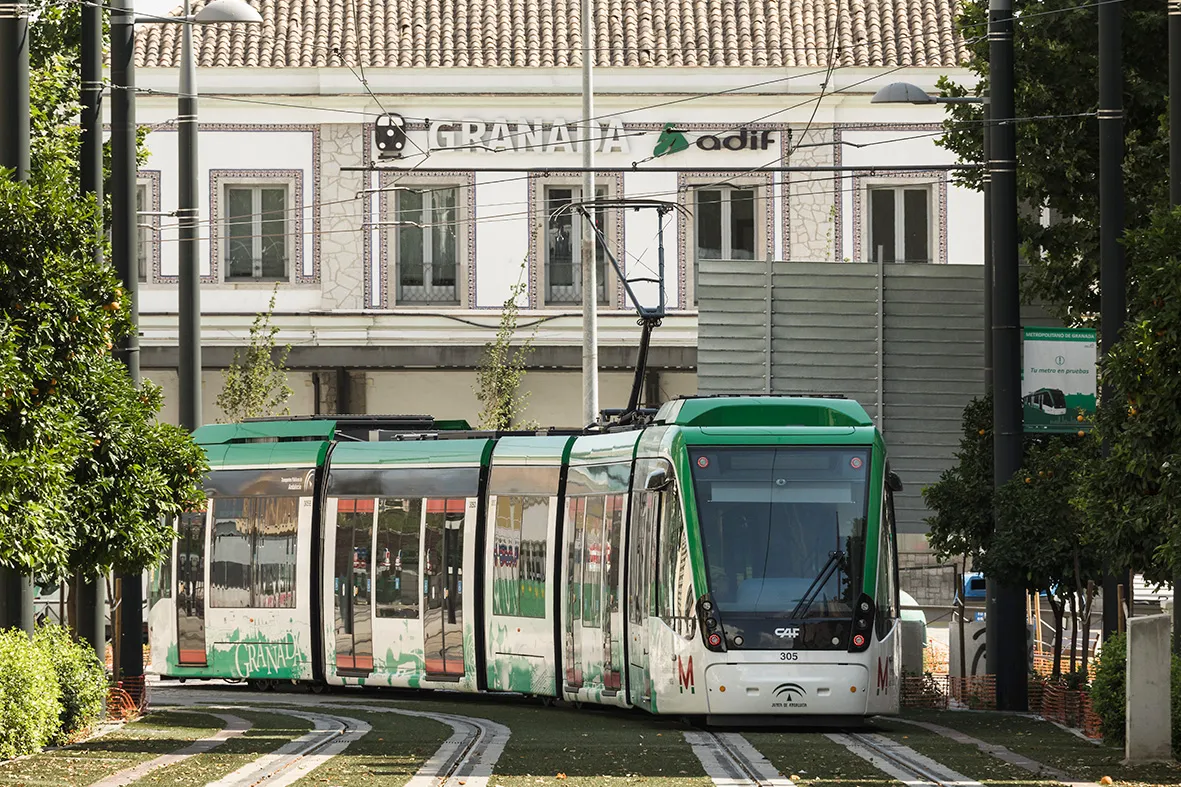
x=783, y=528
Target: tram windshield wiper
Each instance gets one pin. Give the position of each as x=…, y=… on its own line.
x=834, y=562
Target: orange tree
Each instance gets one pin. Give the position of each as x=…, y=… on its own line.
x=1135, y=490
x=1028, y=534
x=88, y=476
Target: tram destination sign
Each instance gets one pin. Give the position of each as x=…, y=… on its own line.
x=1058, y=388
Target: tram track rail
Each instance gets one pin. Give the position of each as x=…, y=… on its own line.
x=467, y=758
x=331, y=734
x=731, y=761
x=901, y=762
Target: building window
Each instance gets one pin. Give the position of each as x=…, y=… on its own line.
x=724, y=225
x=256, y=232
x=427, y=226
x=900, y=223
x=144, y=227
x=563, y=247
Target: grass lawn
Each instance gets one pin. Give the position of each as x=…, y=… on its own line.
x=270, y=731
x=389, y=754
x=961, y=757
x=1042, y=741
x=592, y=747
x=810, y=759
x=83, y=763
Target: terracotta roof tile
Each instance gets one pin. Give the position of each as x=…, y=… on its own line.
x=547, y=33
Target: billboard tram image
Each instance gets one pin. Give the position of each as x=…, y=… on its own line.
x=727, y=557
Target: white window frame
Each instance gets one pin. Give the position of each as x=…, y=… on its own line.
x=899, y=187
x=391, y=237
x=541, y=263
x=256, y=186
x=145, y=230
x=760, y=189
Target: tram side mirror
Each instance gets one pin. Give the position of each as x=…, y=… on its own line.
x=658, y=479
x=893, y=482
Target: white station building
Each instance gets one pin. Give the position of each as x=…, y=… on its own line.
x=754, y=116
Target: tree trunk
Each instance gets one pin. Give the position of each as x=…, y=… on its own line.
x=1088, y=601
x=1073, y=634
x=1058, y=610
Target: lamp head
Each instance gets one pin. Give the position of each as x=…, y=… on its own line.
x=894, y=93
x=227, y=11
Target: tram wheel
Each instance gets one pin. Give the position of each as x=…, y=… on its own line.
x=318, y=687
x=261, y=684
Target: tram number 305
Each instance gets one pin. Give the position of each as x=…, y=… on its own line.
x=788, y=655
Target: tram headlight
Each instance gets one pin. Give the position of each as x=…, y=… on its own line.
x=711, y=624
x=715, y=640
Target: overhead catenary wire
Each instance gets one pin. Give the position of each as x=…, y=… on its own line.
x=542, y=211
x=529, y=173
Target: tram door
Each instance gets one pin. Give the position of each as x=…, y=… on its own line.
x=575, y=590
x=353, y=585
x=641, y=591
x=442, y=561
x=190, y=588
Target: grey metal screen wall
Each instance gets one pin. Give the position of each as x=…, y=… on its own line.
x=791, y=327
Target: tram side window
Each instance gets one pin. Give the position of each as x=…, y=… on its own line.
x=676, y=573
x=396, y=587
x=230, y=564
x=160, y=579
x=254, y=552
x=887, y=586
x=646, y=509
x=275, y=534
x=613, y=527
x=592, y=562
x=518, y=571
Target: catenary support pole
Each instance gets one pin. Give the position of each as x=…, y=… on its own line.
x=189, y=290
x=124, y=221
x=988, y=285
x=1174, y=201
x=16, y=590
x=590, y=290
x=1005, y=626
x=1113, y=303
x=91, y=606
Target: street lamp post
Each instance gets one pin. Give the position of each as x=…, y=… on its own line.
x=16, y=589
x=123, y=232
x=189, y=279
x=1005, y=646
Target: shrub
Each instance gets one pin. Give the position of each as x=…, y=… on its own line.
x=82, y=679
x=30, y=708
x=1109, y=692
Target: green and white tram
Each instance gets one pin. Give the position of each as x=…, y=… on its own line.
x=731, y=557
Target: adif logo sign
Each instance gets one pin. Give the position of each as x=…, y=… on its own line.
x=674, y=141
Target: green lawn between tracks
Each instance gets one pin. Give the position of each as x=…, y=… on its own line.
x=270, y=731
x=87, y=762
x=1053, y=746
x=562, y=746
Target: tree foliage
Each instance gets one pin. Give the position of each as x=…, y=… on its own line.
x=1056, y=58
x=256, y=383
x=1134, y=491
x=961, y=500
x=87, y=475
x=498, y=379
x=1040, y=541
